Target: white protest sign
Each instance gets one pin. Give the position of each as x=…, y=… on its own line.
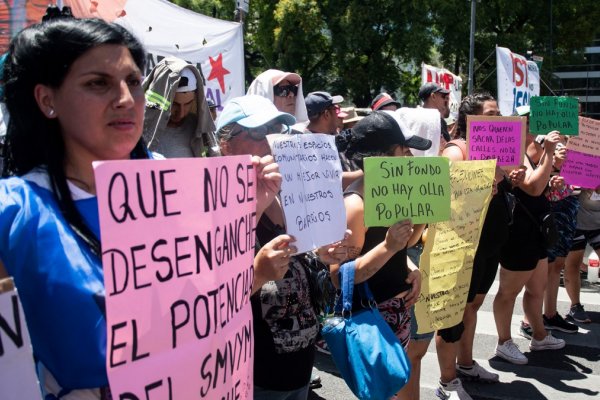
x=216, y=47
x=178, y=242
x=18, y=379
x=518, y=80
x=311, y=190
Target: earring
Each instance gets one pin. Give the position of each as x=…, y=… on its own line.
x=51, y=112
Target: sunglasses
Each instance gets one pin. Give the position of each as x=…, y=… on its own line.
x=260, y=133
x=285, y=90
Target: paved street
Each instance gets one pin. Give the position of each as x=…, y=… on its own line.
x=571, y=373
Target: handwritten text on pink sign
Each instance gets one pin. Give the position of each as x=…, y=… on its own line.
x=581, y=169
x=495, y=140
x=178, y=245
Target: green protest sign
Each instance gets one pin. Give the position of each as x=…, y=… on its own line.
x=551, y=113
x=398, y=188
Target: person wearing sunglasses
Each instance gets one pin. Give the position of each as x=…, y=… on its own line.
x=284, y=90
x=323, y=109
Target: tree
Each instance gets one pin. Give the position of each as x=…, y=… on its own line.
x=519, y=25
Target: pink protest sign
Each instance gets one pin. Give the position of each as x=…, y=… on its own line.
x=177, y=251
x=580, y=169
x=497, y=138
x=588, y=141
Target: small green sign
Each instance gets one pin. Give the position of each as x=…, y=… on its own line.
x=398, y=188
x=551, y=113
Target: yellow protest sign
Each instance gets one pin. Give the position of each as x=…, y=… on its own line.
x=447, y=260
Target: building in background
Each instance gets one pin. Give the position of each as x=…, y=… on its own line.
x=583, y=81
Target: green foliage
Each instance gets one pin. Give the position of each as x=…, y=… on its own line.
x=358, y=48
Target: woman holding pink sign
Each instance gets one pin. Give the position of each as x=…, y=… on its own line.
x=524, y=258
x=73, y=90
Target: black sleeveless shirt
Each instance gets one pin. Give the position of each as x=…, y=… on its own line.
x=390, y=280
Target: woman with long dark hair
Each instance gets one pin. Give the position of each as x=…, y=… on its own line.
x=73, y=91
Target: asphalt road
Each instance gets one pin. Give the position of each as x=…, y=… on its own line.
x=572, y=373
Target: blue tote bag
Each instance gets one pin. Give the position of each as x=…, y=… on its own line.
x=364, y=348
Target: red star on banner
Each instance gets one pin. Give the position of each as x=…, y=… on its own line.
x=218, y=72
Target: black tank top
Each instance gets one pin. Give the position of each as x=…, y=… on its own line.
x=390, y=280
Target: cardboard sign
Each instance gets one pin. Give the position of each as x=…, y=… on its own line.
x=550, y=113
x=588, y=140
x=398, y=188
x=311, y=190
x=447, y=260
x=178, y=242
x=580, y=169
x=496, y=138
x=18, y=379
x=448, y=81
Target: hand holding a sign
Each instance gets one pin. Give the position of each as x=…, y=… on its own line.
x=557, y=182
x=550, y=142
x=336, y=252
x=516, y=176
x=268, y=182
x=398, y=234
x=414, y=279
x=272, y=260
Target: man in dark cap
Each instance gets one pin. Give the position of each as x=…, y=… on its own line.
x=384, y=101
x=322, y=109
x=434, y=96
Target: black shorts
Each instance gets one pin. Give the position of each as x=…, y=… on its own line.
x=525, y=245
x=485, y=267
x=582, y=238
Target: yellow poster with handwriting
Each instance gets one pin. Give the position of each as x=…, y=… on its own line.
x=447, y=260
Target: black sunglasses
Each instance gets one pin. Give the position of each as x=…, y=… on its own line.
x=285, y=90
x=259, y=133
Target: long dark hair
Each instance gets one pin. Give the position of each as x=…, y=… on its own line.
x=43, y=54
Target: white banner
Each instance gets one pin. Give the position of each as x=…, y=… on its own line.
x=447, y=80
x=18, y=379
x=165, y=29
x=518, y=80
x=311, y=190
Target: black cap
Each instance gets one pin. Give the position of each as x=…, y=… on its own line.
x=317, y=102
x=382, y=100
x=429, y=88
x=380, y=130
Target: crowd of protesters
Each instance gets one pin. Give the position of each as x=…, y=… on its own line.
x=75, y=94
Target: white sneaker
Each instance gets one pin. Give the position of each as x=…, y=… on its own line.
x=547, y=343
x=477, y=373
x=510, y=352
x=452, y=390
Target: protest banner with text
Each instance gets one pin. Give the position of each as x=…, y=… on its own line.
x=311, y=190
x=452, y=245
x=580, y=169
x=397, y=188
x=18, y=379
x=551, y=113
x=178, y=242
x=518, y=80
x=588, y=140
x=498, y=138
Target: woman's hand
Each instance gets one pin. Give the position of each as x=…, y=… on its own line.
x=335, y=253
x=557, y=182
x=268, y=183
x=398, y=234
x=414, y=279
x=272, y=260
x=517, y=176
x=552, y=139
